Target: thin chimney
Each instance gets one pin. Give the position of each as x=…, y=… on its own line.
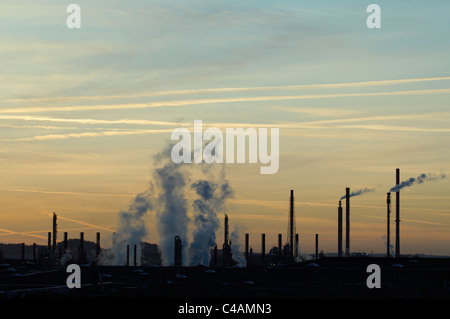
x=81, y=248
x=246, y=247
x=263, y=248
x=340, y=229
x=291, y=227
x=280, y=247
x=347, y=221
x=388, y=230
x=97, y=248
x=317, y=246
x=397, y=214
x=54, y=233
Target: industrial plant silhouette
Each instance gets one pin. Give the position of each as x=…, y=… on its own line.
x=36, y=271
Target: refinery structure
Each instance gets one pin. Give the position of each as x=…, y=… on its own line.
x=230, y=270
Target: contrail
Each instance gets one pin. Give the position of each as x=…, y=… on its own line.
x=359, y=192
x=175, y=103
x=10, y=232
x=62, y=193
x=235, y=89
x=86, y=224
x=422, y=178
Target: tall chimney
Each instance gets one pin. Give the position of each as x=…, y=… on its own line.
x=388, y=230
x=128, y=255
x=135, y=255
x=97, y=247
x=397, y=214
x=54, y=233
x=65, y=241
x=280, y=247
x=178, y=252
x=246, y=246
x=317, y=246
x=226, y=231
x=81, y=248
x=347, y=221
x=49, y=245
x=263, y=248
x=340, y=229
x=226, y=252
x=291, y=227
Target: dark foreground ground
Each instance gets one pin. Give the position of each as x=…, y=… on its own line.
x=326, y=278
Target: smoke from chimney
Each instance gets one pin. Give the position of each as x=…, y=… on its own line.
x=211, y=201
x=422, y=178
x=359, y=192
x=170, y=204
x=172, y=212
x=131, y=229
x=236, y=248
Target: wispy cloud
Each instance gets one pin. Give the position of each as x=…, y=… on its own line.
x=178, y=103
x=62, y=192
x=49, y=137
x=233, y=89
x=409, y=220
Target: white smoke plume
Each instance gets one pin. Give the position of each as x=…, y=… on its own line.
x=422, y=178
x=211, y=201
x=236, y=247
x=131, y=228
x=391, y=246
x=359, y=192
x=172, y=211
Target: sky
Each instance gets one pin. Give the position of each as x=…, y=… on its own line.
x=83, y=112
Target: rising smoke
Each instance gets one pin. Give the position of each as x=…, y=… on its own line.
x=422, y=178
x=131, y=228
x=236, y=247
x=172, y=211
x=359, y=192
x=171, y=207
x=211, y=201
x=391, y=246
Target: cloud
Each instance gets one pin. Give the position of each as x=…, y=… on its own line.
x=232, y=89
x=50, y=137
x=178, y=103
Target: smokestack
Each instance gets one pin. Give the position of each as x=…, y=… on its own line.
x=54, y=233
x=347, y=221
x=340, y=229
x=81, y=248
x=128, y=255
x=97, y=248
x=226, y=252
x=135, y=256
x=226, y=231
x=263, y=248
x=280, y=247
x=397, y=214
x=388, y=235
x=65, y=241
x=246, y=247
x=49, y=241
x=178, y=250
x=291, y=227
x=317, y=246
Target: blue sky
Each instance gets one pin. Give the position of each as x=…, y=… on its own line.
x=78, y=109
